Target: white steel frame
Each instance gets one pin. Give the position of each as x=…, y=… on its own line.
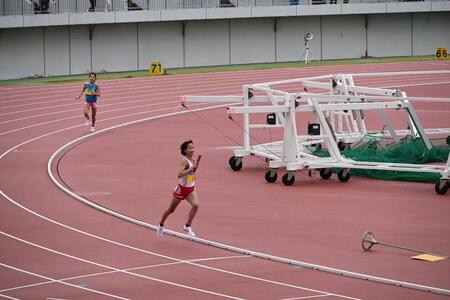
x=340, y=113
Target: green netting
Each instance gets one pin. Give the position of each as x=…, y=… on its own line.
x=411, y=151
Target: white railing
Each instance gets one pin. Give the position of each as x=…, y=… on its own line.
x=23, y=7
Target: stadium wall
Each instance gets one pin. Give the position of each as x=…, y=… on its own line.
x=76, y=49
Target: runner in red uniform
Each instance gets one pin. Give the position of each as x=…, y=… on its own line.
x=185, y=188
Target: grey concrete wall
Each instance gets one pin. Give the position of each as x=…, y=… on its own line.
x=207, y=43
x=389, y=35
x=430, y=31
x=21, y=52
x=343, y=36
x=78, y=49
x=252, y=41
x=115, y=47
x=290, y=45
x=57, y=54
x=163, y=42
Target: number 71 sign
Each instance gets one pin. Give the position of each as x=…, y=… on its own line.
x=156, y=68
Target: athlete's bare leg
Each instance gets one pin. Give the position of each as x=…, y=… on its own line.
x=86, y=112
x=171, y=209
x=94, y=115
x=193, y=200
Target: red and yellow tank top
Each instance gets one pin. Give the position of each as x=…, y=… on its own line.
x=187, y=180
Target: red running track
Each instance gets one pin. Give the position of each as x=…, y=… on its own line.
x=54, y=247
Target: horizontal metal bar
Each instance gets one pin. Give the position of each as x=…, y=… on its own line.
x=345, y=98
x=265, y=126
x=362, y=106
x=189, y=98
x=256, y=109
x=288, y=81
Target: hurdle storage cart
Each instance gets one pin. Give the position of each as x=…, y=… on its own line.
x=339, y=108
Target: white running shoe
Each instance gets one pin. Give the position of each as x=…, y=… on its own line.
x=87, y=123
x=160, y=230
x=189, y=230
x=92, y=129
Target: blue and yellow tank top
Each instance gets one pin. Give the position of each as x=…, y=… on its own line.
x=90, y=90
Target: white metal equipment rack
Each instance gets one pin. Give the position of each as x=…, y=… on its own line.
x=339, y=108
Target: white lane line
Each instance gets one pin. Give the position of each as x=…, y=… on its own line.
x=307, y=297
x=106, y=267
x=79, y=109
x=163, y=100
x=22, y=143
x=162, y=255
x=141, y=106
x=80, y=104
x=419, y=84
x=9, y=297
x=346, y=273
x=56, y=280
x=154, y=88
x=127, y=246
x=99, y=121
x=82, y=125
x=128, y=269
x=117, y=117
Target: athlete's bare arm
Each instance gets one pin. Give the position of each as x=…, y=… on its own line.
x=184, y=169
x=82, y=91
x=97, y=92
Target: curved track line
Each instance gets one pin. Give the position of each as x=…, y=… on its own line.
x=151, y=104
x=80, y=103
x=52, y=279
x=130, y=89
x=59, y=131
x=102, y=120
x=78, y=109
x=112, y=272
x=165, y=256
x=110, y=268
x=176, y=81
x=229, y=247
x=142, y=223
x=8, y=297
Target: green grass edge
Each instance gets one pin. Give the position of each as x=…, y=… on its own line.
x=210, y=69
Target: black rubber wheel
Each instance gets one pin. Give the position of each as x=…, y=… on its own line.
x=288, y=178
x=271, y=176
x=326, y=173
x=439, y=190
x=343, y=178
x=235, y=163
